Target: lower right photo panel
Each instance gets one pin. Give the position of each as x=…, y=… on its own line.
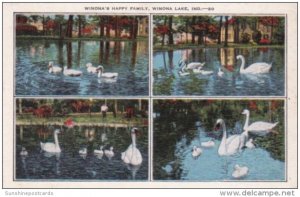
x=219, y=140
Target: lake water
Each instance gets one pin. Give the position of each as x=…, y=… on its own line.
x=69, y=164
x=167, y=81
x=173, y=157
x=128, y=59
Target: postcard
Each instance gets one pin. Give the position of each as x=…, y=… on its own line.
x=150, y=95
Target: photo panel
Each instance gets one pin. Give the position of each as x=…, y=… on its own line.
x=81, y=139
x=219, y=140
x=226, y=55
x=81, y=54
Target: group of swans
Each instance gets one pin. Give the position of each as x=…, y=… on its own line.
x=196, y=67
x=131, y=156
x=76, y=73
x=197, y=151
x=233, y=144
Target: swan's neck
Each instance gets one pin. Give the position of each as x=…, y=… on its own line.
x=224, y=132
x=133, y=138
x=99, y=73
x=243, y=64
x=246, y=122
x=56, y=141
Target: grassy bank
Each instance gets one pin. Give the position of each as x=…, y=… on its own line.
x=93, y=38
x=95, y=119
x=195, y=46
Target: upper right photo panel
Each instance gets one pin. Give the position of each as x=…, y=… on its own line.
x=218, y=55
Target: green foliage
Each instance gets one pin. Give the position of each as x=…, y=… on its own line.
x=256, y=36
x=245, y=38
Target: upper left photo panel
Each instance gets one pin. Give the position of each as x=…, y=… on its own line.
x=75, y=54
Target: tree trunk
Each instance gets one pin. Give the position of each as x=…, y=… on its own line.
x=107, y=27
x=186, y=30
x=193, y=33
x=140, y=104
x=170, y=33
x=164, y=35
x=116, y=106
x=79, y=26
x=69, y=27
x=220, y=30
x=226, y=32
x=20, y=106
x=101, y=24
x=43, y=21
x=237, y=31
x=117, y=27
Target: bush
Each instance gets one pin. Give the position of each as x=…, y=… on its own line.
x=245, y=38
x=256, y=36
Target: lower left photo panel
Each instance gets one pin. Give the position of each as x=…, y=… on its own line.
x=81, y=139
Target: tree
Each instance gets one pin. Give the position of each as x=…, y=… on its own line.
x=226, y=32
x=170, y=32
x=69, y=27
x=220, y=29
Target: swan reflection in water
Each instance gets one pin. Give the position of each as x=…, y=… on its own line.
x=133, y=169
x=57, y=160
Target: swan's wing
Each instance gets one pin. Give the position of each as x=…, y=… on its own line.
x=48, y=146
x=259, y=67
x=194, y=65
x=233, y=144
x=261, y=126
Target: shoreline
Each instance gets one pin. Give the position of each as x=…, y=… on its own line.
x=177, y=47
x=24, y=37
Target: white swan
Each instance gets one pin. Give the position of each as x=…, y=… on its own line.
x=259, y=127
x=102, y=74
x=109, y=153
x=99, y=152
x=83, y=151
x=190, y=66
x=208, y=144
x=256, y=68
x=72, y=72
x=239, y=171
x=54, y=69
x=23, y=152
x=232, y=144
x=132, y=155
x=249, y=144
x=220, y=73
x=91, y=68
x=50, y=146
x=197, y=151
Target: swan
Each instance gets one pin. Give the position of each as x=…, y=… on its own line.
x=132, y=155
x=83, y=151
x=232, y=144
x=259, y=127
x=197, y=151
x=249, y=144
x=220, y=73
x=102, y=74
x=99, y=152
x=50, y=146
x=91, y=68
x=109, y=153
x=193, y=65
x=208, y=144
x=24, y=152
x=72, y=72
x=256, y=68
x=54, y=69
x=239, y=171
